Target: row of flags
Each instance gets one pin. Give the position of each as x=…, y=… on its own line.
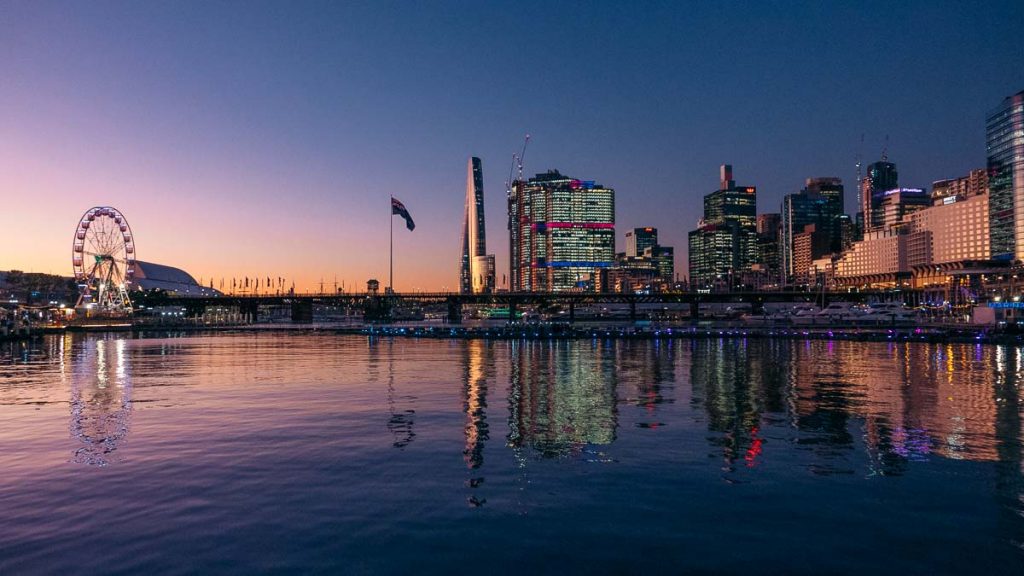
x=255, y=282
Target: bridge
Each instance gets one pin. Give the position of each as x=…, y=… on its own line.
x=379, y=307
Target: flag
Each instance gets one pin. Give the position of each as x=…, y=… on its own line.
x=399, y=208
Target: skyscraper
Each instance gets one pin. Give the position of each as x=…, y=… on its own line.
x=725, y=242
x=880, y=178
x=639, y=239
x=769, y=226
x=1004, y=131
x=561, y=233
x=476, y=269
x=820, y=204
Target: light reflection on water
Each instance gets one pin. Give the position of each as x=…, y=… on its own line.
x=252, y=452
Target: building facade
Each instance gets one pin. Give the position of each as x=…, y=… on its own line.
x=725, y=243
x=808, y=246
x=958, y=229
x=561, y=233
x=975, y=183
x=819, y=204
x=881, y=176
x=714, y=256
x=930, y=241
x=1004, y=131
x=645, y=265
x=639, y=239
x=895, y=205
x=476, y=268
x=881, y=260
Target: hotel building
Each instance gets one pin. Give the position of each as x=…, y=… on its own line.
x=928, y=242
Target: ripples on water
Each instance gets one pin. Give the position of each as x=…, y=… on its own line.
x=264, y=452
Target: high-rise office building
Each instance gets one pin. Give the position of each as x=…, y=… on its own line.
x=476, y=269
x=820, y=204
x=663, y=258
x=881, y=177
x=1004, y=132
x=725, y=243
x=769, y=226
x=561, y=233
x=714, y=251
x=639, y=239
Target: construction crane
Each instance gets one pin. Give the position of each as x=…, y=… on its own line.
x=515, y=172
x=522, y=155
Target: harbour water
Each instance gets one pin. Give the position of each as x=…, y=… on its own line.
x=285, y=452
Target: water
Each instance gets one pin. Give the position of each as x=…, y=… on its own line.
x=248, y=453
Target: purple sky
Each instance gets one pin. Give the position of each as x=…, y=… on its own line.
x=265, y=138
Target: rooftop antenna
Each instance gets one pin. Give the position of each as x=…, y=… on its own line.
x=860, y=163
x=885, y=149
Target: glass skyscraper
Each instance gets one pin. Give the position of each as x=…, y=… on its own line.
x=880, y=178
x=820, y=203
x=476, y=268
x=639, y=239
x=725, y=243
x=561, y=233
x=1004, y=130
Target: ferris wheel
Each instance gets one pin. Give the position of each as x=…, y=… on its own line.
x=103, y=255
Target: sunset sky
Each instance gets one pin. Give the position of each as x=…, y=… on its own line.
x=264, y=139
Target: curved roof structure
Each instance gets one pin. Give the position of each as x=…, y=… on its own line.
x=150, y=276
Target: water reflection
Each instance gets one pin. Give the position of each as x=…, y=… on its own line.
x=101, y=400
x=369, y=437
x=562, y=396
x=401, y=414
x=647, y=371
x=479, y=364
x=735, y=389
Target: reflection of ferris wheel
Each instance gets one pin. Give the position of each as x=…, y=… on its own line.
x=104, y=259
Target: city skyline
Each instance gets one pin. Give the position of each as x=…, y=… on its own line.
x=266, y=142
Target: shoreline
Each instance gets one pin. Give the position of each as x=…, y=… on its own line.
x=618, y=331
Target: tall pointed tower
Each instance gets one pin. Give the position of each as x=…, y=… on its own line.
x=476, y=269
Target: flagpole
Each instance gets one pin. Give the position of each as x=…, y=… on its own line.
x=391, y=249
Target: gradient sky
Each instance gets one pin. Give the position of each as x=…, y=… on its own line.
x=249, y=138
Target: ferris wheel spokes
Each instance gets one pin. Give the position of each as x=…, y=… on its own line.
x=103, y=256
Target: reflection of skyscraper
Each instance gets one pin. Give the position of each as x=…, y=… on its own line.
x=476, y=269
x=649, y=370
x=728, y=380
x=479, y=362
x=562, y=397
